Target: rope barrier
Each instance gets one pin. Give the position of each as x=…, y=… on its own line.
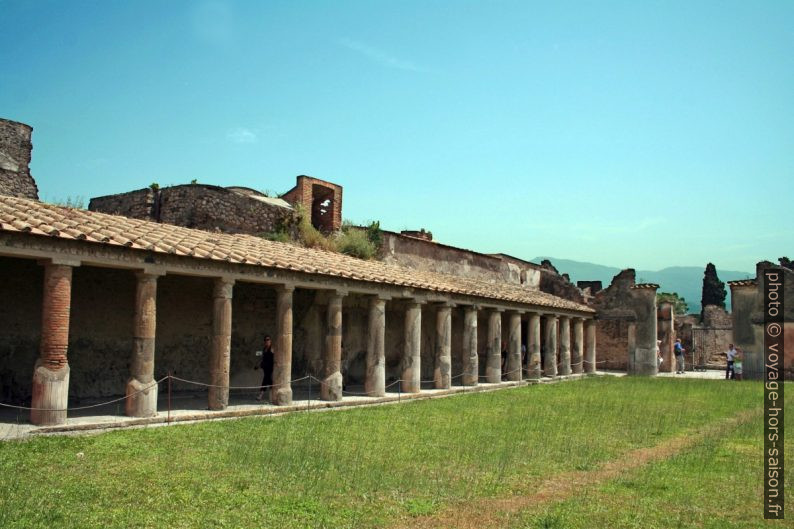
x=170, y=378
x=147, y=388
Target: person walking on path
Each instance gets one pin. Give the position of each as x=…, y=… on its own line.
x=731, y=354
x=679, y=356
x=267, y=366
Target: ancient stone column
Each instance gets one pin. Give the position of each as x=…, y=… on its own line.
x=471, y=368
x=590, y=356
x=331, y=388
x=220, y=355
x=141, y=388
x=51, y=372
x=577, y=353
x=375, y=384
x=412, y=360
x=565, y=345
x=281, y=392
x=645, y=359
x=442, y=374
x=550, y=356
x=666, y=329
x=514, y=343
x=493, y=349
x=533, y=346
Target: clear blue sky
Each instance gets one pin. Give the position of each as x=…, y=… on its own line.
x=643, y=134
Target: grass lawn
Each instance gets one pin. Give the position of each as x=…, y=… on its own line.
x=377, y=466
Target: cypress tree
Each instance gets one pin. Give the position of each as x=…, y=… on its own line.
x=713, y=289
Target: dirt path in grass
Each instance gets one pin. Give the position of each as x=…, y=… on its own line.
x=497, y=512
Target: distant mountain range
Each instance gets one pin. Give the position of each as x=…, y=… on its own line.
x=687, y=281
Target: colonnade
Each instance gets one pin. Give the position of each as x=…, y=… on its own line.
x=51, y=372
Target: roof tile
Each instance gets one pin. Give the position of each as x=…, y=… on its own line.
x=30, y=216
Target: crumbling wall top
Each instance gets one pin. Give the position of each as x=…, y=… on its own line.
x=15, y=153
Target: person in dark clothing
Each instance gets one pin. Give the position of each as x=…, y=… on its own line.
x=267, y=366
x=504, y=359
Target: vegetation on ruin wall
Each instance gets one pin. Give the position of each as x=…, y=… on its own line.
x=383, y=466
x=679, y=303
x=350, y=240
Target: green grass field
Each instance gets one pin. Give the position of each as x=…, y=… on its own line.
x=389, y=465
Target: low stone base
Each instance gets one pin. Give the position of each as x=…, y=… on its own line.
x=141, y=399
x=332, y=387
x=281, y=396
x=50, y=395
x=442, y=375
x=218, y=398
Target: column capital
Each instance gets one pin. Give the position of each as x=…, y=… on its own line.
x=381, y=297
x=223, y=287
x=287, y=287
x=149, y=272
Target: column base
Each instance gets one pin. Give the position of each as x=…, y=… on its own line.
x=493, y=375
x=375, y=385
x=51, y=394
x=218, y=398
x=141, y=398
x=331, y=388
x=281, y=396
x=442, y=376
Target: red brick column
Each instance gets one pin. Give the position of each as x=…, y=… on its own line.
x=220, y=355
x=51, y=372
x=141, y=389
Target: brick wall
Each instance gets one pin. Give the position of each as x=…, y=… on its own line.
x=303, y=194
x=15, y=152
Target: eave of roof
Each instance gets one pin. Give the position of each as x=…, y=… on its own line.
x=36, y=218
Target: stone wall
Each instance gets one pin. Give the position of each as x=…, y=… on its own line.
x=557, y=284
x=15, y=152
x=747, y=300
x=425, y=255
x=711, y=338
x=201, y=206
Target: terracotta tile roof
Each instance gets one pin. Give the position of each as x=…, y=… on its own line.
x=742, y=283
x=646, y=285
x=36, y=218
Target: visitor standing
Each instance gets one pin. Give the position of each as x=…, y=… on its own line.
x=679, y=351
x=267, y=366
x=731, y=355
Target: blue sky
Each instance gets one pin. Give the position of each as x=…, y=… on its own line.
x=644, y=134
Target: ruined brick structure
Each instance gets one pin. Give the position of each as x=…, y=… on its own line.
x=207, y=207
x=626, y=325
x=321, y=199
x=15, y=152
